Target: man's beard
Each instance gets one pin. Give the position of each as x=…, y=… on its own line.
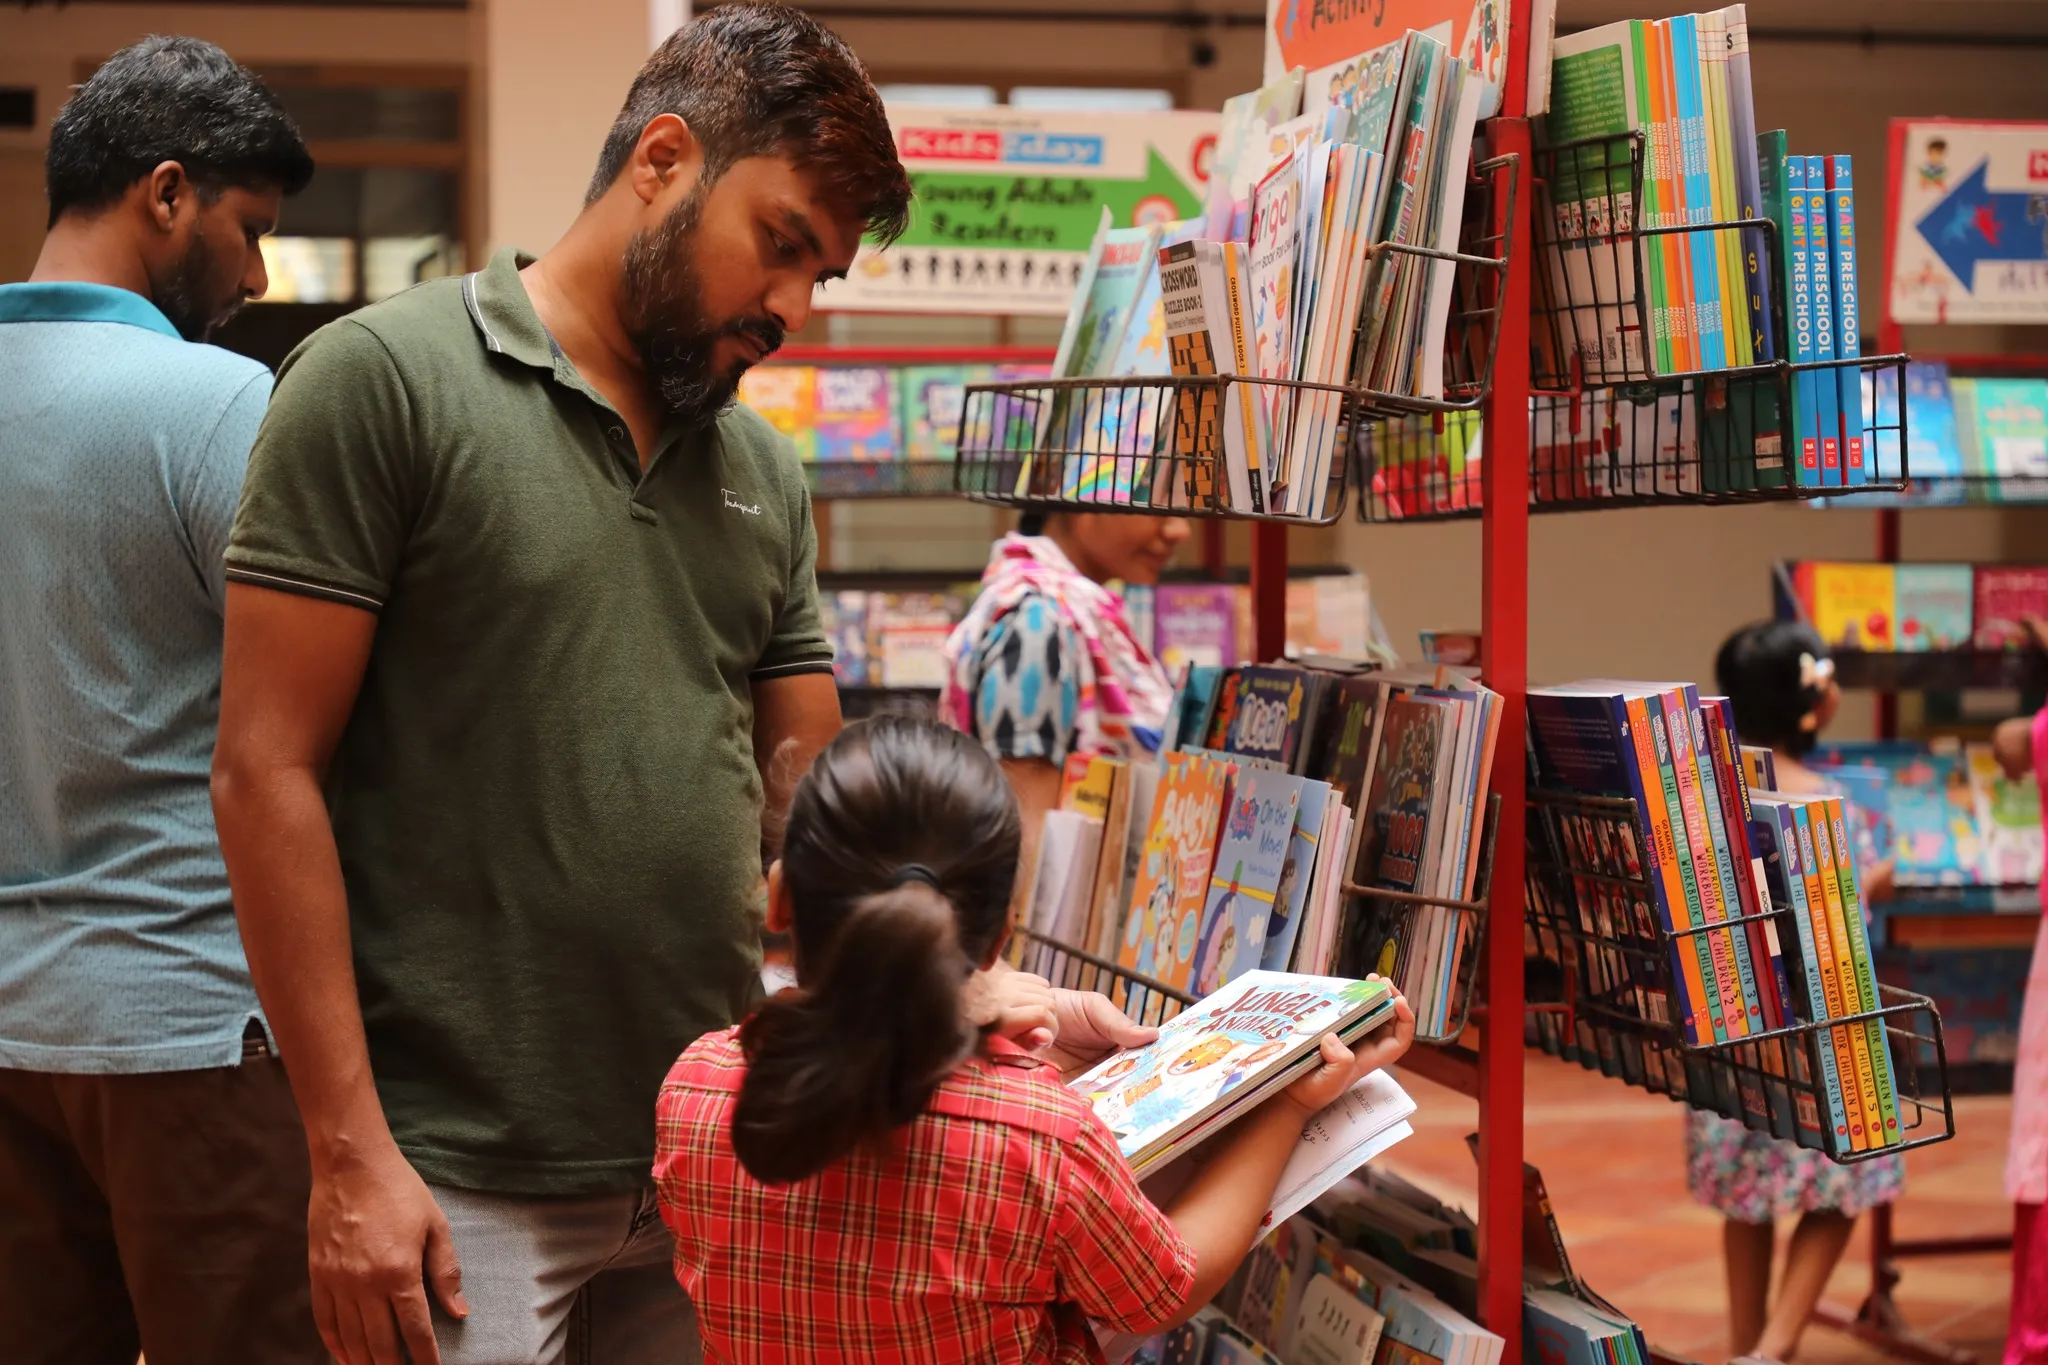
x=663, y=307
x=181, y=294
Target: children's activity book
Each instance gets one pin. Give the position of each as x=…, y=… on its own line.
x=1222, y=1055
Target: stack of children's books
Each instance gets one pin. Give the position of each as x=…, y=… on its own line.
x=1941, y=810
x=870, y=413
x=1282, y=285
x=1373, y=1272
x=891, y=639
x=1748, y=895
x=1276, y=786
x=1721, y=297
x=1211, y=623
x=1915, y=608
x=1963, y=435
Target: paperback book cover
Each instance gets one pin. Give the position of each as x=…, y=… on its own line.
x=1932, y=606
x=855, y=414
x=1261, y=712
x=1933, y=448
x=2012, y=426
x=1195, y=623
x=1304, y=859
x=1348, y=737
x=1223, y=1054
x=1173, y=873
x=1251, y=857
x=783, y=394
x=933, y=396
x=1852, y=606
x=2007, y=595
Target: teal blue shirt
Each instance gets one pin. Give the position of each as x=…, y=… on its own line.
x=122, y=449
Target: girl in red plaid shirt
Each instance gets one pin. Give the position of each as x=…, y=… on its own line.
x=860, y=1173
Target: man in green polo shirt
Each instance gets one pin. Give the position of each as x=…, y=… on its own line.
x=518, y=610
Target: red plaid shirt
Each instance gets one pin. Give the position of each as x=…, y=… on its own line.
x=998, y=1224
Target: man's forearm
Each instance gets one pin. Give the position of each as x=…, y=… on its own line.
x=293, y=913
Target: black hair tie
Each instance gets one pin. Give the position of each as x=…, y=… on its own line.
x=915, y=872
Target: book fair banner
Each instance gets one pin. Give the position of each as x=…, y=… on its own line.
x=1969, y=222
x=1008, y=201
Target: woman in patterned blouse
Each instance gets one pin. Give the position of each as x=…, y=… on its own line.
x=1045, y=663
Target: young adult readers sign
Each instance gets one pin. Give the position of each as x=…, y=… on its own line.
x=1969, y=207
x=1008, y=201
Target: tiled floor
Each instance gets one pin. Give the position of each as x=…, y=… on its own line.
x=1613, y=1159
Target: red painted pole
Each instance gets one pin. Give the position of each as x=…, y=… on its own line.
x=1269, y=590
x=1504, y=610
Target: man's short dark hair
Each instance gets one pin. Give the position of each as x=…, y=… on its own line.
x=768, y=80
x=170, y=99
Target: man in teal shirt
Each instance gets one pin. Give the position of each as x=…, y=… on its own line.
x=153, y=1176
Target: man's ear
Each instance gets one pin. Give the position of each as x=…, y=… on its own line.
x=667, y=157
x=161, y=190
x=779, y=917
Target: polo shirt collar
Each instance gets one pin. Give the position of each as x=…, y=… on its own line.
x=503, y=313
x=78, y=301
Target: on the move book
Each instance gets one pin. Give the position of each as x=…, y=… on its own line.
x=1217, y=1059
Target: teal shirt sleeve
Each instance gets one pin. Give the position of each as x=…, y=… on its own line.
x=211, y=486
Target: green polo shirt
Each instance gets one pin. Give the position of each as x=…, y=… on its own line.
x=545, y=800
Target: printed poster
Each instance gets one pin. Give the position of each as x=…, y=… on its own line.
x=1324, y=37
x=1971, y=222
x=1008, y=201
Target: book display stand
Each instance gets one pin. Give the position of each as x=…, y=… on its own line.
x=1158, y=444
x=1617, y=981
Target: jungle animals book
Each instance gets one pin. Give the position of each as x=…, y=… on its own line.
x=1251, y=856
x=1173, y=872
x=1215, y=1061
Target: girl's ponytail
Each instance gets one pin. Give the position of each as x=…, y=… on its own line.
x=898, y=861
x=859, y=1049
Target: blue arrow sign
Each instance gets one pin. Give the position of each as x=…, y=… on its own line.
x=1975, y=223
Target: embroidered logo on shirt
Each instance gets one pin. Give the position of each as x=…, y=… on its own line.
x=732, y=500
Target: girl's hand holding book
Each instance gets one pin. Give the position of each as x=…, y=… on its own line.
x=1343, y=1068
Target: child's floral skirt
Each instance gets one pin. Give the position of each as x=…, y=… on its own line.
x=1755, y=1178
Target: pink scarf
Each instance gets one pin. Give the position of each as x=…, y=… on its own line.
x=1123, y=690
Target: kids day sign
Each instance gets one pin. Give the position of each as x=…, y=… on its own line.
x=1008, y=201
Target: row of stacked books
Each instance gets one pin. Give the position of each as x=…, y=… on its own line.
x=1676, y=439
x=1374, y=1272
x=1276, y=785
x=1961, y=428
x=1713, y=299
x=1275, y=282
x=1917, y=608
x=898, y=639
x=892, y=639
x=1749, y=895
x=1211, y=623
x=1942, y=810
x=870, y=412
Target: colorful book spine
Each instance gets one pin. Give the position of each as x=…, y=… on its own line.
x=1694, y=964
x=1756, y=262
x=1792, y=851
x=1250, y=404
x=1667, y=729
x=1805, y=424
x=1749, y=882
x=1832, y=999
x=1681, y=313
x=1774, y=203
x=1887, y=1115
x=1699, y=191
x=1827, y=400
x=1713, y=34
x=1734, y=907
x=1841, y=213
x=1845, y=976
